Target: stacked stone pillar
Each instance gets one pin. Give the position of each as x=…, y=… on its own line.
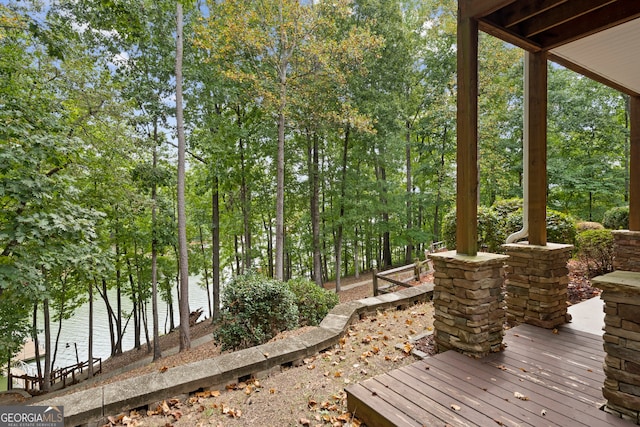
x=468, y=302
x=627, y=250
x=621, y=294
x=537, y=279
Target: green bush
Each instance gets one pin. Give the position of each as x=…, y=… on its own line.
x=488, y=230
x=313, y=301
x=595, y=249
x=588, y=225
x=616, y=218
x=561, y=228
x=254, y=310
x=504, y=208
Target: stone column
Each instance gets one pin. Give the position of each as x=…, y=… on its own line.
x=468, y=302
x=621, y=294
x=627, y=250
x=537, y=279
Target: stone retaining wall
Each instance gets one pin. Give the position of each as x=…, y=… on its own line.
x=89, y=407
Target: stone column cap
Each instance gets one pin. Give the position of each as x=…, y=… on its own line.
x=547, y=247
x=619, y=281
x=480, y=258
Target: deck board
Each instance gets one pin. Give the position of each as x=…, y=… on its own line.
x=559, y=374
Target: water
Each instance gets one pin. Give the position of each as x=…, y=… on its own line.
x=75, y=330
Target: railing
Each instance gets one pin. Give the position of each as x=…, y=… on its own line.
x=417, y=268
x=59, y=377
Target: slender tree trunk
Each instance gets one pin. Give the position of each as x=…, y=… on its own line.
x=279, y=255
x=313, y=156
x=409, y=252
x=245, y=200
x=36, y=342
x=343, y=191
x=185, y=334
x=46, y=384
x=157, y=352
x=356, y=255
x=267, y=229
x=441, y=175
x=386, y=236
x=90, y=340
x=206, y=272
x=215, y=250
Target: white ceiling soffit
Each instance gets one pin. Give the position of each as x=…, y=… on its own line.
x=613, y=54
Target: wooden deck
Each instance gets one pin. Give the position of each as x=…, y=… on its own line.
x=540, y=379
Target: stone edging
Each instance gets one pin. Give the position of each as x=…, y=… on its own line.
x=89, y=407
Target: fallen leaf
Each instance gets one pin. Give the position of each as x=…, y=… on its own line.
x=523, y=370
x=555, y=331
x=304, y=422
x=520, y=396
x=455, y=407
x=272, y=391
x=163, y=369
x=543, y=412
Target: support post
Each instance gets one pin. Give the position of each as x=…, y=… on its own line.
x=634, y=165
x=535, y=124
x=467, y=130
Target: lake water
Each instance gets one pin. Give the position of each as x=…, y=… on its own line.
x=75, y=331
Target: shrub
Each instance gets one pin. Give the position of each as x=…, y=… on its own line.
x=506, y=207
x=560, y=227
x=595, y=249
x=313, y=301
x=588, y=225
x=488, y=230
x=254, y=310
x=616, y=218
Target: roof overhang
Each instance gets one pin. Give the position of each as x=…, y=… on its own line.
x=597, y=38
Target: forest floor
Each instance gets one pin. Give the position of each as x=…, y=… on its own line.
x=309, y=395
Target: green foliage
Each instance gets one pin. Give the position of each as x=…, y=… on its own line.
x=254, y=310
x=616, y=218
x=561, y=228
x=313, y=301
x=595, y=249
x=489, y=231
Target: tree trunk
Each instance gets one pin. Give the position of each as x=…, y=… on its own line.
x=206, y=272
x=185, y=335
x=245, y=201
x=441, y=175
x=279, y=255
x=343, y=191
x=46, y=384
x=36, y=343
x=157, y=353
x=313, y=156
x=409, y=252
x=215, y=250
x=90, y=340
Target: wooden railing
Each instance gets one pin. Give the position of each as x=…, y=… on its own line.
x=393, y=283
x=60, y=378
x=418, y=266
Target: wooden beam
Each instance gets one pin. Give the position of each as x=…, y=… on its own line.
x=508, y=36
x=518, y=12
x=536, y=129
x=566, y=12
x=593, y=22
x=467, y=131
x=479, y=8
x=634, y=179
